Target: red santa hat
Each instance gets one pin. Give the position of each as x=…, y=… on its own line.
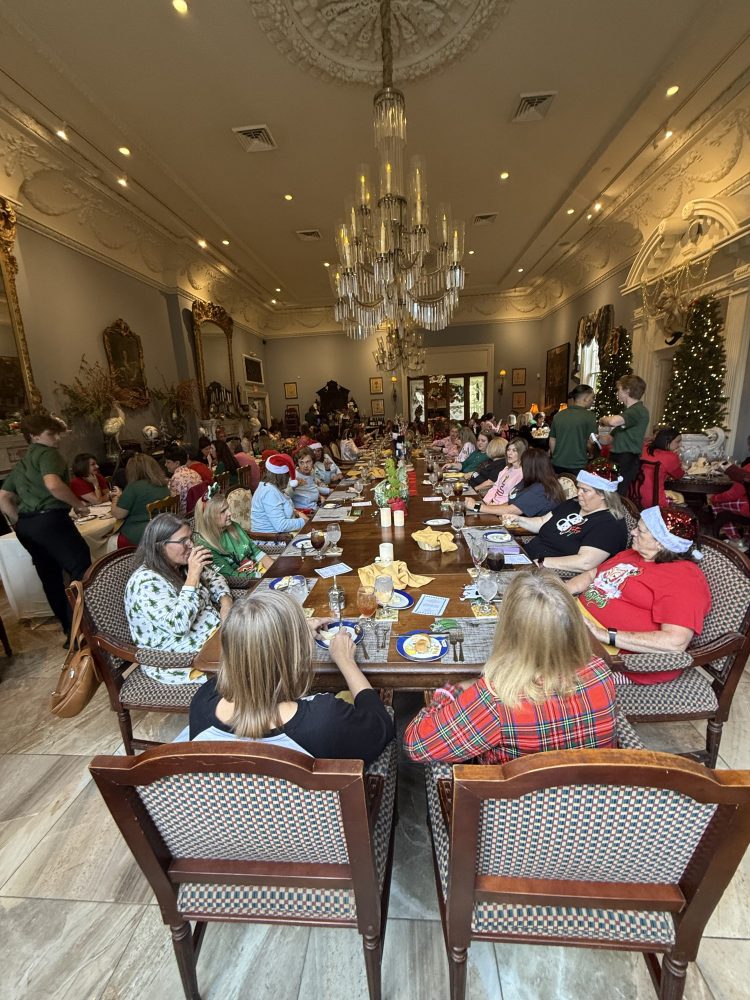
x=279, y=464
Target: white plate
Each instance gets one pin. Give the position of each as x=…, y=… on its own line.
x=303, y=543
x=497, y=537
x=435, y=522
x=435, y=648
x=324, y=638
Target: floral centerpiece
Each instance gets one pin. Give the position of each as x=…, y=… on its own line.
x=393, y=491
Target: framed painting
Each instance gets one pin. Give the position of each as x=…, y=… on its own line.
x=556, y=384
x=376, y=386
x=125, y=358
x=518, y=376
x=519, y=400
x=253, y=370
x=377, y=407
x=290, y=390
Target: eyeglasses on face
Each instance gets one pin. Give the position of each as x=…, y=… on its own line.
x=184, y=542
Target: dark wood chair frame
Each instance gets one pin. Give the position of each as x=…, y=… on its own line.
x=634, y=490
x=691, y=901
x=114, y=660
x=223, y=480
x=169, y=505
x=724, y=684
x=243, y=477
x=359, y=796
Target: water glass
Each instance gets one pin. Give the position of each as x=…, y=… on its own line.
x=478, y=549
x=333, y=534
x=487, y=589
x=384, y=590
x=457, y=518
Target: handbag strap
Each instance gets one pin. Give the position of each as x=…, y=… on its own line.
x=77, y=638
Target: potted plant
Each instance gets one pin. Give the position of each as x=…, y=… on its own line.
x=393, y=492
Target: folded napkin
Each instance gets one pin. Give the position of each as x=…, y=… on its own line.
x=434, y=538
x=398, y=571
x=377, y=473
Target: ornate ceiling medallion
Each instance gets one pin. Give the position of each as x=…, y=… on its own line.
x=339, y=39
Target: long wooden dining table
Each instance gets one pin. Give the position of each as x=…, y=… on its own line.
x=360, y=543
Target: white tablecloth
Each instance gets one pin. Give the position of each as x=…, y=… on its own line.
x=23, y=587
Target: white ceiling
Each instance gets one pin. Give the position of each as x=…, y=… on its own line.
x=171, y=88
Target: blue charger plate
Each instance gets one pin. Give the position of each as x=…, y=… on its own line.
x=401, y=643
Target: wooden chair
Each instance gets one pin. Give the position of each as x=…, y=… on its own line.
x=223, y=480
x=245, y=476
x=636, y=487
x=632, y=514
x=169, y=505
x=586, y=848
x=108, y=635
x=724, y=517
x=243, y=831
x=721, y=651
x=193, y=495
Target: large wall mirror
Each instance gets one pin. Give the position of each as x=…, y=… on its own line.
x=18, y=392
x=214, y=363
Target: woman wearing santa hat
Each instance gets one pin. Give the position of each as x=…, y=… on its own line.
x=581, y=533
x=272, y=509
x=652, y=598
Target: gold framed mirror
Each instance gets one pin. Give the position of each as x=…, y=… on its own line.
x=214, y=363
x=124, y=352
x=18, y=391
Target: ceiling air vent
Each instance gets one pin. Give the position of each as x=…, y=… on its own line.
x=255, y=138
x=484, y=219
x=309, y=235
x=533, y=107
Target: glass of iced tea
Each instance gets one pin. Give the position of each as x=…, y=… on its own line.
x=318, y=540
x=367, y=604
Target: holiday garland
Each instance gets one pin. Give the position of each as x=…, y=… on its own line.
x=696, y=400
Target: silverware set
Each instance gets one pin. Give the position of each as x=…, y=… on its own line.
x=381, y=638
x=456, y=639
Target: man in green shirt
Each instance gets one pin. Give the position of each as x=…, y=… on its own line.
x=36, y=499
x=571, y=431
x=628, y=429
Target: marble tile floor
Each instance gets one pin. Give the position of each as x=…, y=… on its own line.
x=78, y=921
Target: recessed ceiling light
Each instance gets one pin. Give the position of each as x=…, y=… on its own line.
x=202, y=244
x=62, y=134
x=597, y=206
x=671, y=91
x=225, y=242
x=504, y=175
x=326, y=264
x=277, y=289
x=288, y=197
x=471, y=253
x=124, y=151
x=668, y=134
x=589, y=217
x=273, y=302
x=180, y=6
x=520, y=270
x=122, y=181
x=570, y=211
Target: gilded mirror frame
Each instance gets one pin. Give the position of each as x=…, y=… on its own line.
x=8, y=272
x=209, y=312
x=129, y=375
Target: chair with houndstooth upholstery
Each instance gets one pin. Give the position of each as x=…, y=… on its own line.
x=586, y=848
x=243, y=831
x=108, y=636
x=721, y=651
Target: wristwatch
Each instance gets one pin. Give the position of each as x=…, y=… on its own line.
x=612, y=636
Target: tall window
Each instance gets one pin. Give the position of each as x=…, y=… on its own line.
x=454, y=396
x=588, y=363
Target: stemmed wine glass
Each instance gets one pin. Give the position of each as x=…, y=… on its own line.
x=487, y=589
x=478, y=550
x=318, y=540
x=433, y=479
x=447, y=490
x=367, y=604
x=358, y=487
x=458, y=518
x=333, y=534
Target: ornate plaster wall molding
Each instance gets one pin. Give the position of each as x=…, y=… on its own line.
x=340, y=39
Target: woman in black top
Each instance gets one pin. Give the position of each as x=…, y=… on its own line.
x=260, y=691
x=487, y=473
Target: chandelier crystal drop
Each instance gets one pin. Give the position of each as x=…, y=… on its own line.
x=400, y=350
x=393, y=273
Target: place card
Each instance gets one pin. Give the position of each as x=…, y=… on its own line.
x=337, y=569
x=432, y=499
x=430, y=604
x=362, y=503
x=517, y=559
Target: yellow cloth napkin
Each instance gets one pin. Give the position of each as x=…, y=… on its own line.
x=434, y=538
x=377, y=473
x=398, y=571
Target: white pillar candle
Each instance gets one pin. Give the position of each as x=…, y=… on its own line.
x=386, y=553
x=398, y=519
x=385, y=518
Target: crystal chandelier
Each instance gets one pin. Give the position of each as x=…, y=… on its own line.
x=400, y=350
x=390, y=273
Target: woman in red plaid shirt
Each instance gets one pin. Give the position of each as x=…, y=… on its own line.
x=541, y=688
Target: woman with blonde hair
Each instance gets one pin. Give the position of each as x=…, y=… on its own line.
x=507, y=480
x=145, y=482
x=265, y=674
x=235, y=555
x=541, y=688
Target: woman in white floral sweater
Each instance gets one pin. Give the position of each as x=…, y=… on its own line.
x=175, y=599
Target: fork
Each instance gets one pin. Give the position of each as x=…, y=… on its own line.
x=453, y=640
x=460, y=640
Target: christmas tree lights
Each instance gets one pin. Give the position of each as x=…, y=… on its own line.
x=616, y=360
x=696, y=400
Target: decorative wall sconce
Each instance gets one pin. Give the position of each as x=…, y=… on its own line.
x=501, y=375
x=394, y=383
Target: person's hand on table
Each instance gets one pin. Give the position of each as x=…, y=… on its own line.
x=471, y=504
x=316, y=624
x=342, y=648
x=510, y=520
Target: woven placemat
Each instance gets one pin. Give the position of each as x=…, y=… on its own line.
x=378, y=650
x=478, y=639
x=310, y=581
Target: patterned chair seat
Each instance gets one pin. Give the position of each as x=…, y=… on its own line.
x=290, y=902
x=140, y=690
x=690, y=695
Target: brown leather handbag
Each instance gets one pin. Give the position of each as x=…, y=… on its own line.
x=79, y=677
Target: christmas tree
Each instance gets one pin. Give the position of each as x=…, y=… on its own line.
x=696, y=400
x=615, y=361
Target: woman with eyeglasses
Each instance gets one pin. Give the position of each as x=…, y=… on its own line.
x=175, y=598
x=580, y=534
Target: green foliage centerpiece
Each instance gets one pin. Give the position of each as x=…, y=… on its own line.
x=394, y=490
